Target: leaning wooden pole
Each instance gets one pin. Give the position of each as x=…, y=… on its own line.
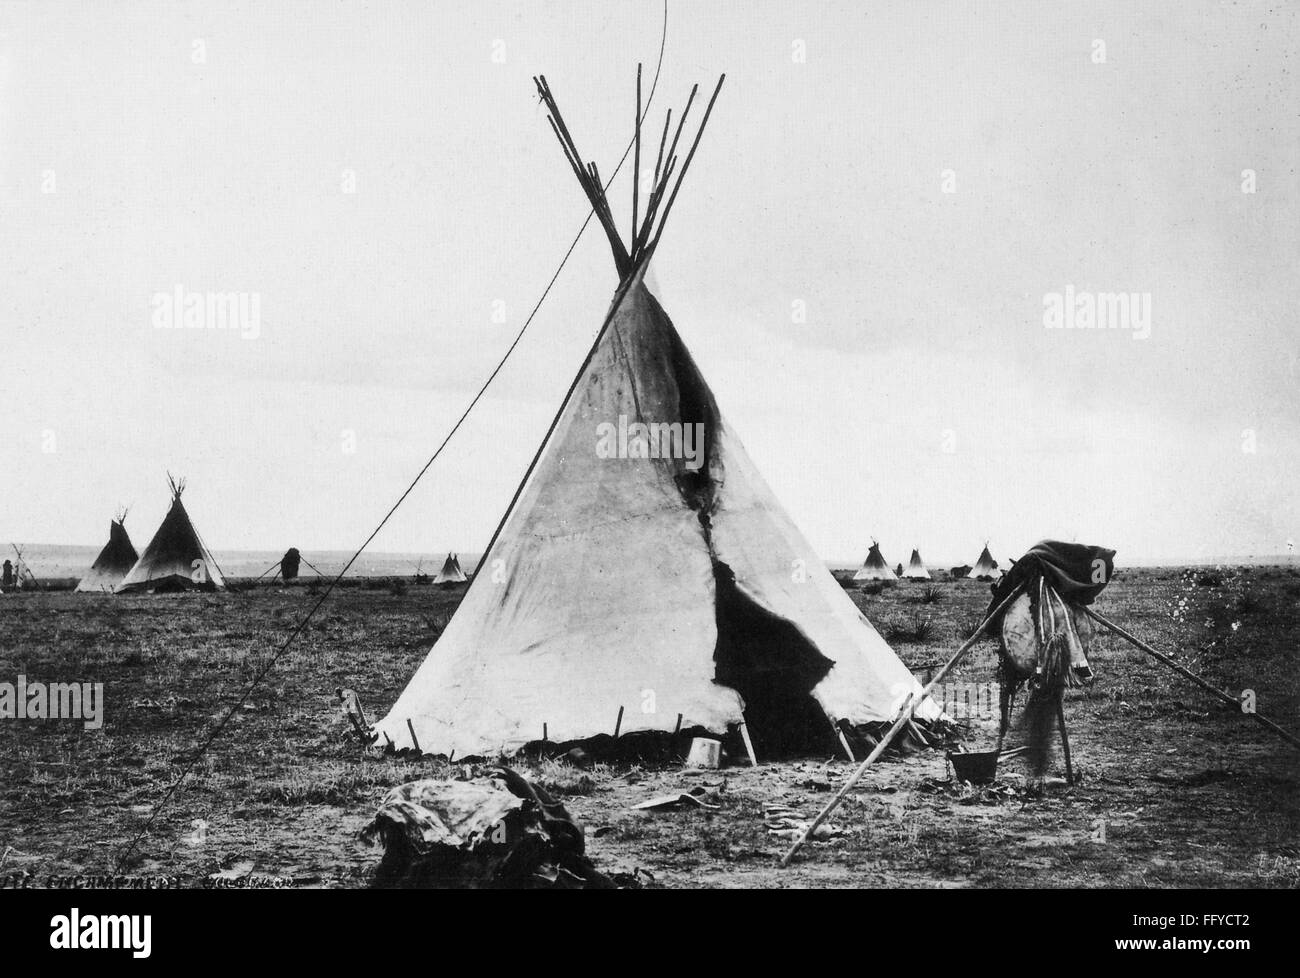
x=686, y=165
x=22, y=565
x=1186, y=673
x=905, y=715
x=636, y=163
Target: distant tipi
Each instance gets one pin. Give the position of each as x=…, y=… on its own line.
x=114, y=561
x=662, y=563
x=916, y=568
x=986, y=568
x=451, y=572
x=875, y=568
x=176, y=558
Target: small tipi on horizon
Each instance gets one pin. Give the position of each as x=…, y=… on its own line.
x=451, y=572
x=916, y=568
x=876, y=568
x=986, y=568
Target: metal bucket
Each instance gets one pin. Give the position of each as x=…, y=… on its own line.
x=977, y=767
x=704, y=753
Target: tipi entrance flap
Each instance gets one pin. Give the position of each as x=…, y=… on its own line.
x=773, y=667
x=755, y=538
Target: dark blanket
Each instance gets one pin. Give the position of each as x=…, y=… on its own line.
x=1077, y=571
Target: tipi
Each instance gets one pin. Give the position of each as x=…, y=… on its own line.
x=451, y=572
x=986, y=568
x=648, y=576
x=875, y=568
x=114, y=561
x=176, y=558
x=916, y=568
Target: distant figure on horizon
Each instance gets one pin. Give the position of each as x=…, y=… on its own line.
x=7, y=578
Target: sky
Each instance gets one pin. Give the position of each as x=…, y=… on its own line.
x=862, y=261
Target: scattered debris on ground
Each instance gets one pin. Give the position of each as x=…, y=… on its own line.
x=697, y=797
x=995, y=792
x=789, y=823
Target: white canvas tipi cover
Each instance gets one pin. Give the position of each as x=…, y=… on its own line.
x=985, y=569
x=875, y=568
x=916, y=568
x=613, y=570
x=451, y=572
